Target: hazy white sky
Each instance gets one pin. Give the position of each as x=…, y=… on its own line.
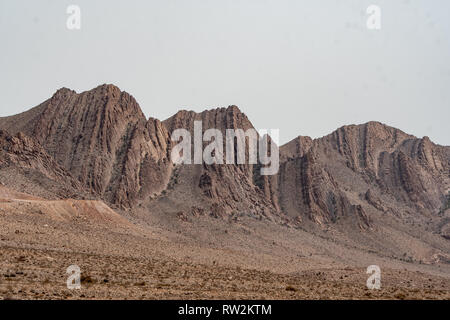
x=304, y=66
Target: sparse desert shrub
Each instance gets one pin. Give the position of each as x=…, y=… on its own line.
x=400, y=296
x=291, y=288
x=87, y=279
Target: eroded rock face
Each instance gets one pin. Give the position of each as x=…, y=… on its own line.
x=24, y=164
x=355, y=163
x=103, y=138
x=226, y=188
x=307, y=188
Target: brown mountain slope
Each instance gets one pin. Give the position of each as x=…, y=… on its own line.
x=102, y=137
x=371, y=165
x=219, y=189
x=26, y=166
x=13, y=203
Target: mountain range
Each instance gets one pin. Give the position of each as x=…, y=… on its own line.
x=367, y=186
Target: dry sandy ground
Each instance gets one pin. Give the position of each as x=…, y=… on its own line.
x=123, y=259
x=40, y=274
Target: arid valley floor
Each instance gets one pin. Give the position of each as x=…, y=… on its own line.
x=123, y=260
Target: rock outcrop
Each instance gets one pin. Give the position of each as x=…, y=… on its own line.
x=27, y=167
x=103, y=138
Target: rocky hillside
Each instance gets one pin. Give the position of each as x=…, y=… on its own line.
x=360, y=167
x=103, y=139
x=26, y=166
x=220, y=189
